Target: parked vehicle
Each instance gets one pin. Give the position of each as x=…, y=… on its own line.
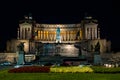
x=17, y=66
x=85, y=64
x=6, y=63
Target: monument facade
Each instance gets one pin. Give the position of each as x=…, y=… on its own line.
x=51, y=39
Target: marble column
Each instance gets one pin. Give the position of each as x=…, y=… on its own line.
x=80, y=33
x=95, y=33
x=86, y=33
x=44, y=35
x=54, y=36
x=18, y=34
x=66, y=35
x=69, y=35
x=41, y=35
x=21, y=33
x=90, y=33
x=27, y=33
x=51, y=35
x=72, y=35
x=47, y=35
x=98, y=33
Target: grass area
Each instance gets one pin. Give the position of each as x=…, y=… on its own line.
x=4, y=75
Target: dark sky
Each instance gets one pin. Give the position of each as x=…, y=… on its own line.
x=105, y=11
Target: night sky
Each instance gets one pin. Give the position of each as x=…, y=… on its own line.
x=105, y=11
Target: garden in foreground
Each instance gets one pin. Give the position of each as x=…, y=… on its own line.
x=60, y=73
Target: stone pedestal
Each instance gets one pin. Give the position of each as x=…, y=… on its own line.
x=21, y=57
x=97, y=59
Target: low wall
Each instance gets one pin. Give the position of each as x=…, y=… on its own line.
x=12, y=57
x=8, y=57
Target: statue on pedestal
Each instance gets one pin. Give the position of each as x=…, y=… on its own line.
x=97, y=57
x=20, y=47
x=97, y=48
x=20, y=52
x=58, y=37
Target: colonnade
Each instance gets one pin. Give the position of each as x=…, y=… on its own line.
x=24, y=33
x=45, y=35
x=91, y=33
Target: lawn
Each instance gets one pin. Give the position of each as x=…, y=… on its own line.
x=4, y=75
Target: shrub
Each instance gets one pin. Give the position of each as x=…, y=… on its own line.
x=100, y=69
x=30, y=69
x=72, y=69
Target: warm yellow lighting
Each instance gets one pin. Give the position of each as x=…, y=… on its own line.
x=69, y=46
